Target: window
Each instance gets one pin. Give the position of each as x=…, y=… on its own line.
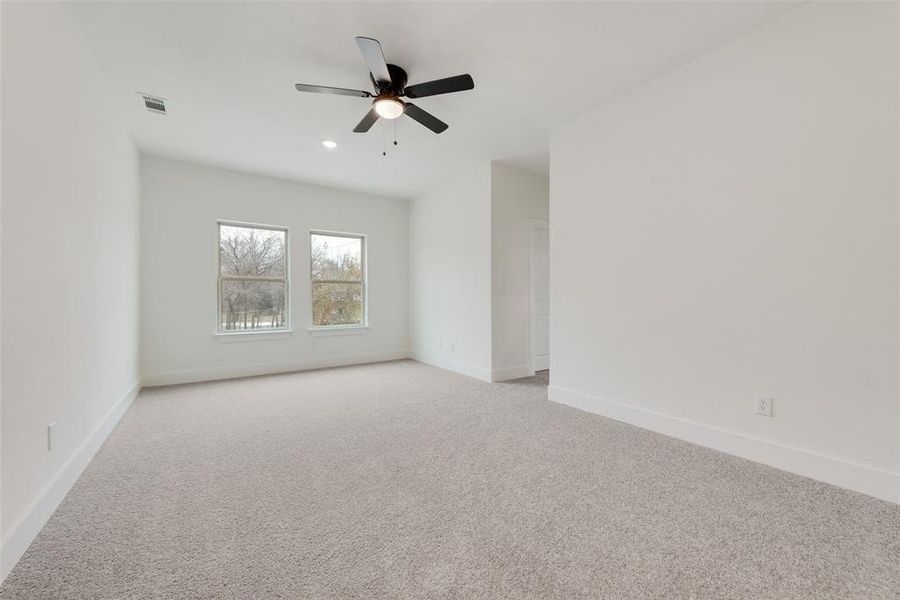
x=337, y=271
x=253, y=283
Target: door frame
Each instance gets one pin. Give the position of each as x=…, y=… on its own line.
x=533, y=226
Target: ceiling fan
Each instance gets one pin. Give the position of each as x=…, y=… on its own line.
x=390, y=87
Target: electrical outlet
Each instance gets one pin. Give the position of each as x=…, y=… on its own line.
x=441, y=344
x=452, y=345
x=50, y=436
x=764, y=405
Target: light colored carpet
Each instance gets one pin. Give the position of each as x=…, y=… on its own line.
x=399, y=480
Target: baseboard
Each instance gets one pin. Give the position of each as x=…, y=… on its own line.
x=851, y=475
x=21, y=533
x=507, y=373
x=452, y=365
x=215, y=373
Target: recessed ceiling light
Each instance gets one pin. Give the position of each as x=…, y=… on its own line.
x=329, y=144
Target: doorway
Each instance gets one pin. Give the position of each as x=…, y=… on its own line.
x=540, y=295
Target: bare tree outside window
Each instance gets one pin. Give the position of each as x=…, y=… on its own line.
x=337, y=271
x=252, y=278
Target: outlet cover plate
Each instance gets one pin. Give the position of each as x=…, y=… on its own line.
x=764, y=405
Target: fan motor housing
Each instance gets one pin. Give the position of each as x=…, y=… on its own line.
x=397, y=84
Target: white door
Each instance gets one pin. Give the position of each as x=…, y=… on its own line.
x=540, y=296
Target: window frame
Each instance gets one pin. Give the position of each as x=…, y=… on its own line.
x=220, y=278
x=363, y=326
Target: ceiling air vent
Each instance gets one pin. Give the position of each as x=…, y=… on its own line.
x=154, y=104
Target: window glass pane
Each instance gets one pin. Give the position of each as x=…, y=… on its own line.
x=337, y=304
x=252, y=305
x=336, y=257
x=251, y=252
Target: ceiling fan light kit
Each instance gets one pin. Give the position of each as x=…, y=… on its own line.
x=388, y=107
x=389, y=82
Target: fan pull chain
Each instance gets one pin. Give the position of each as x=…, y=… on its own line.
x=384, y=139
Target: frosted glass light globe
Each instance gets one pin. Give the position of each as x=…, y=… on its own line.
x=388, y=108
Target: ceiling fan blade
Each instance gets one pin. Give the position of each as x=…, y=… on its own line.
x=371, y=51
x=425, y=118
x=441, y=86
x=367, y=121
x=321, y=89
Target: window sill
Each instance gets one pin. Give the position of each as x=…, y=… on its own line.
x=339, y=330
x=252, y=336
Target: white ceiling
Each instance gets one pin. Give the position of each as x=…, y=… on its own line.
x=228, y=71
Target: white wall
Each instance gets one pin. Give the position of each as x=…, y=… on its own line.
x=2, y=529
x=450, y=273
x=70, y=262
x=180, y=204
x=732, y=230
x=469, y=270
x=516, y=198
